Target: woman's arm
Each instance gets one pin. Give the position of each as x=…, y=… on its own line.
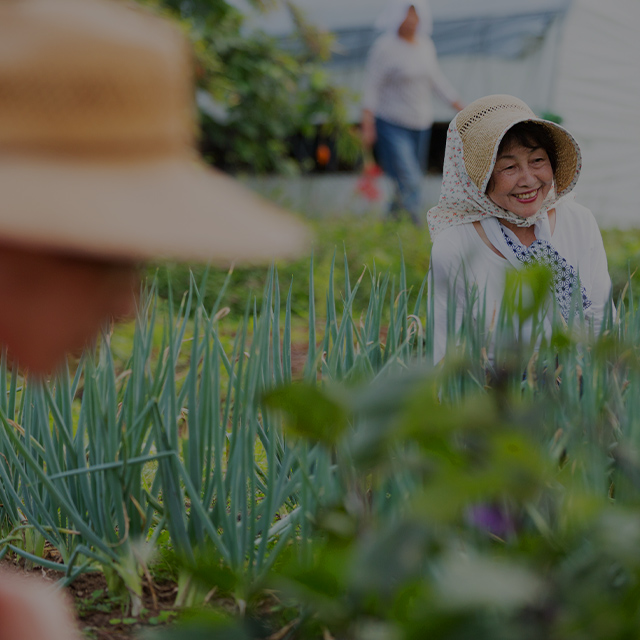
x=368, y=129
x=439, y=82
x=373, y=78
x=445, y=283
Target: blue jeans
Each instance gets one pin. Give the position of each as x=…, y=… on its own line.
x=402, y=155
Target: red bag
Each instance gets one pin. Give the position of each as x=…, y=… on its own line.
x=367, y=184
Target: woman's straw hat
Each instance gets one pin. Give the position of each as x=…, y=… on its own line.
x=96, y=143
x=482, y=125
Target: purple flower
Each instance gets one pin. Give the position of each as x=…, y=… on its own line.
x=493, y=519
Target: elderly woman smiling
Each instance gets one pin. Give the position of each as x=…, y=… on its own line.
x=506, y=202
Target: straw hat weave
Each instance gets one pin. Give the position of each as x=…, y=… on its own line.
x=97, y=152
x=482, y=125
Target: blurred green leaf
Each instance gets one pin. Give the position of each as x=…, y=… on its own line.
x=527, y=291
x=311, y=413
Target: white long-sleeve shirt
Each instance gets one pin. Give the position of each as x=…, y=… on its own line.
x=399, y=79
x=460, y=259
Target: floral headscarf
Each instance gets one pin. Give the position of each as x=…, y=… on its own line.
x=462, y=201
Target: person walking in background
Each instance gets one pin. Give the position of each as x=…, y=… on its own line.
x=402, y=70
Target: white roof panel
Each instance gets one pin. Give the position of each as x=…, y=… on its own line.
x=349, y=14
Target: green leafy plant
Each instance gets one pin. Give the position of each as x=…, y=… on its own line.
x=265, y=93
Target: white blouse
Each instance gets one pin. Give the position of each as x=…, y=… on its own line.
x=461, y=259
x=399, y=78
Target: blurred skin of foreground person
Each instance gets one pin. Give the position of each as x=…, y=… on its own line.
x=506, y=202
x=98, y=173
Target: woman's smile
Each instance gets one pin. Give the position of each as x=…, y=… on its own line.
x=527, y=197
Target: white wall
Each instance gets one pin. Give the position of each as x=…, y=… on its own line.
x=598, y=95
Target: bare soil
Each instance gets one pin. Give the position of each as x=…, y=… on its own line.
x=103, y=618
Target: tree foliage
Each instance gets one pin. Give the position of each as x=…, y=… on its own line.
x=268, y=95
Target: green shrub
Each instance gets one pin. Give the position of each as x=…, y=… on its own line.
x=267, y=93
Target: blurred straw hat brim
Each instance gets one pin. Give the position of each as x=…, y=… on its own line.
x=483, y=124
x=166, y=209
x=96, y=143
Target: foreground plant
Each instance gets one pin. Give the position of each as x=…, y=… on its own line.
x=471, y=501
x=375, y=495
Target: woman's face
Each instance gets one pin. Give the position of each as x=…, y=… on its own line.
x=57, y=304
x=410, y=24
x=521, y=180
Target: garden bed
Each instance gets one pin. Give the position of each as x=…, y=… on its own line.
x=349, y=498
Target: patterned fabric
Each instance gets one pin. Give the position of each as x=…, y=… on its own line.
x=565, y=278
x=461, y=201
